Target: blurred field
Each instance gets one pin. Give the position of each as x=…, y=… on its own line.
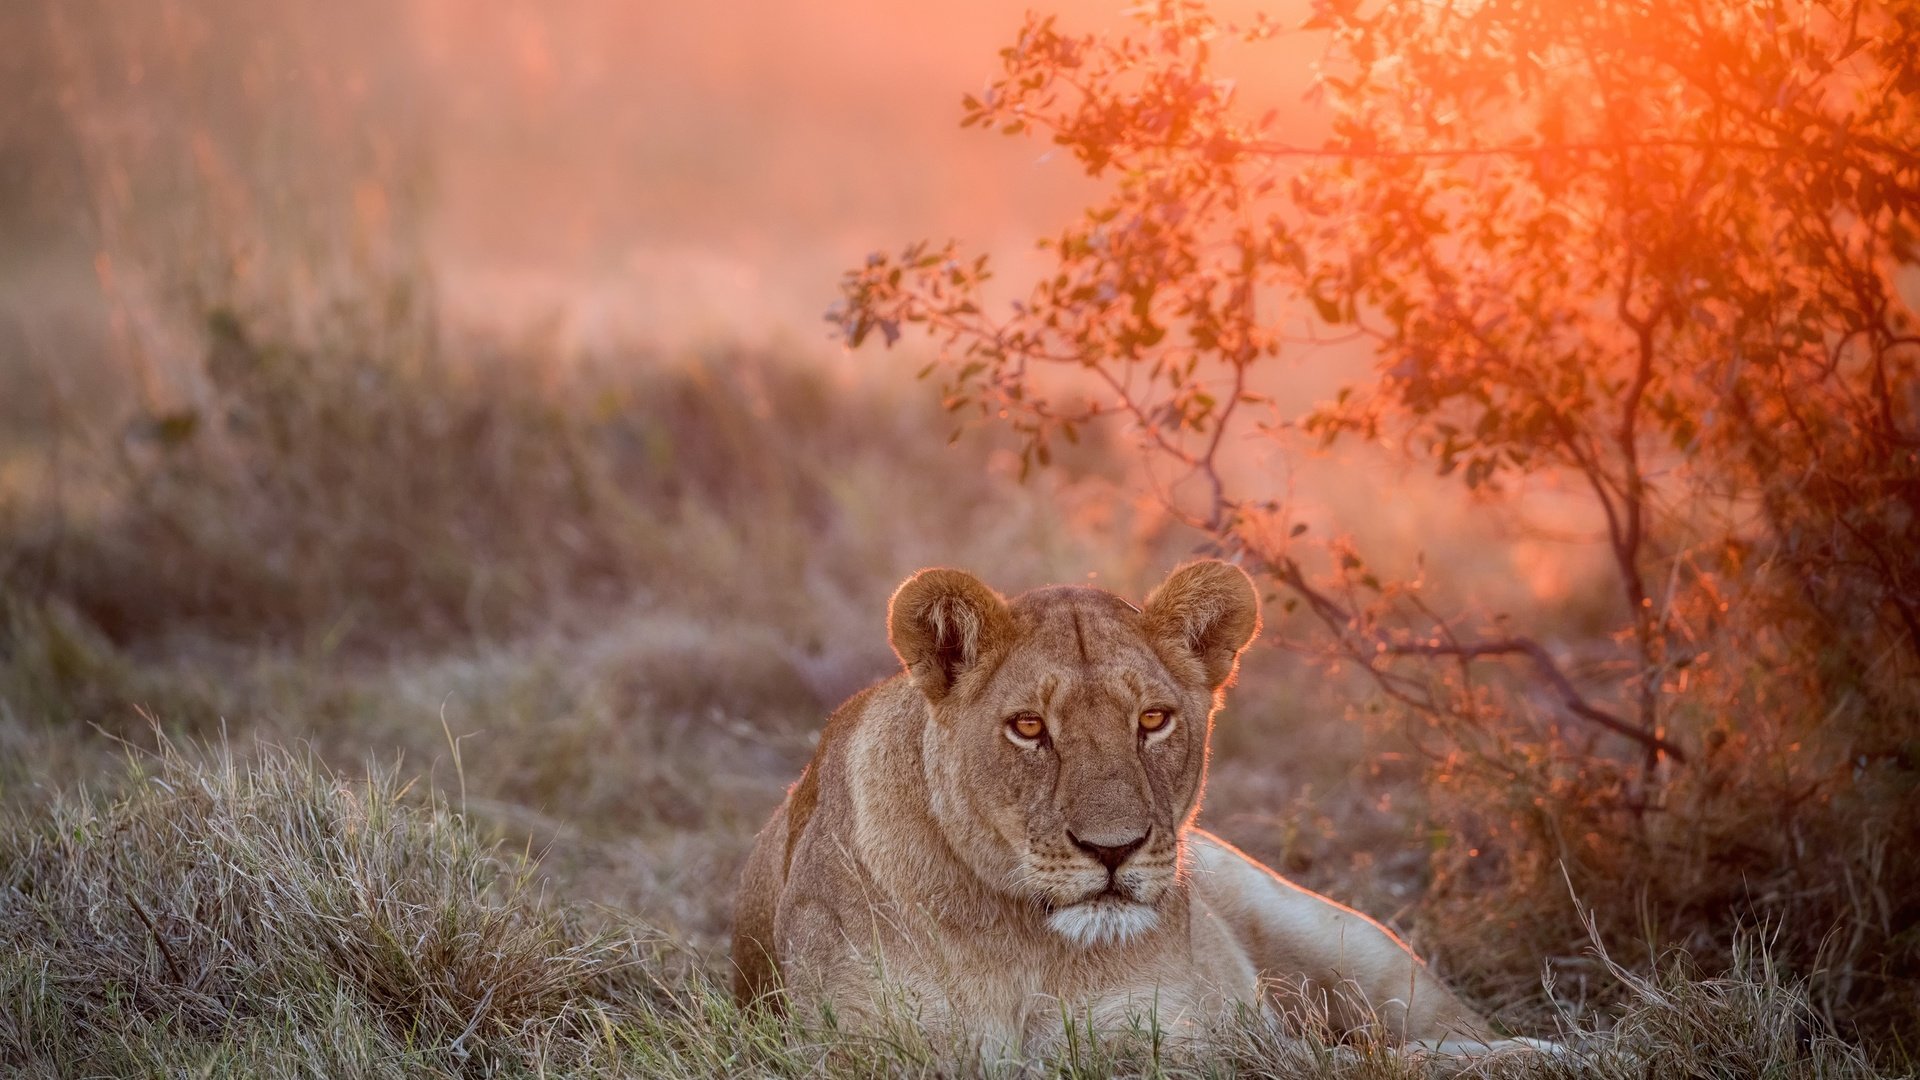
x=330, y=768
x=428, y=503
x=600, y=617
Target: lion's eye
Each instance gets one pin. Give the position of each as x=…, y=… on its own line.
x=1028, y=726
x=1154, y=719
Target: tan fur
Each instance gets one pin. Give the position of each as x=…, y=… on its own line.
x=929, y=859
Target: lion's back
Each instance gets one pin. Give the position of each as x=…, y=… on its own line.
x=764, y=881
x=755, y=967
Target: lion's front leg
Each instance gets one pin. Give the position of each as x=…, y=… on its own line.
x=1366, y=975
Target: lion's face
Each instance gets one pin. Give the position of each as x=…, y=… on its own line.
x=1070, y=736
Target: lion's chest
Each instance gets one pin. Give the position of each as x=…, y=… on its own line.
x=1029, y=996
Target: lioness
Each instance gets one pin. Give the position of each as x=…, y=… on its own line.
x=1005, y=831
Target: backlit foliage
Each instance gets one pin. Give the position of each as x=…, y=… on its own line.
x=1665, y=250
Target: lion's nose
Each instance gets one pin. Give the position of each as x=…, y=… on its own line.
x=1110, y=855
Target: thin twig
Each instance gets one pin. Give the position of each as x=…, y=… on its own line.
x=1548, y=669
x=1344, y=625
x=166, y=954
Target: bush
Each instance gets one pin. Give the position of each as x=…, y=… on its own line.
x=357, y=487
x=1646, y=252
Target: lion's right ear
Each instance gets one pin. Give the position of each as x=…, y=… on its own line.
x=941, y=622
x=1207, y=610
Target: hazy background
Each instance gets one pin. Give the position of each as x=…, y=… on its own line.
x=380, y=374
x=595, y=176
x=676, y=172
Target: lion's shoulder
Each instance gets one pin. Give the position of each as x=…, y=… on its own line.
x=893, y=704
x=804, y=797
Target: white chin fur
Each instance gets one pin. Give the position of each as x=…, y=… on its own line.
x=1103, y=922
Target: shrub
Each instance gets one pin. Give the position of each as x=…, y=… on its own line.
x=1649, y=251
x=357, y=486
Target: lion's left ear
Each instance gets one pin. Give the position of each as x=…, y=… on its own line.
x=941, y=623
x=1207, y=610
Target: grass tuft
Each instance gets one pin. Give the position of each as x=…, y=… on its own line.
x=214, y=913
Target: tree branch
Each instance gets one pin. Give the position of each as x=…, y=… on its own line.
x=1543, y=662
x=1345, y=626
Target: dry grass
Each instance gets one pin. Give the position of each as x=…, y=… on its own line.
x=276, y=919
x=226, y=915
